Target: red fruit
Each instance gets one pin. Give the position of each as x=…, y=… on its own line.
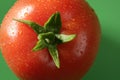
x=18, y=39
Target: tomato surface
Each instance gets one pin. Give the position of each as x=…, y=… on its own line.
x=76, y=57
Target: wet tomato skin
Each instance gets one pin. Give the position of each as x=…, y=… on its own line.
x=76, y=57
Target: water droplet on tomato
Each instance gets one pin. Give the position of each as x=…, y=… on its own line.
x=26, y=14
x=73, y=19
x=20, y=32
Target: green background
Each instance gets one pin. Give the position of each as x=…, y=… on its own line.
x=107, y=64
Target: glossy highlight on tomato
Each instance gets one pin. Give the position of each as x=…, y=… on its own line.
x=76, y=57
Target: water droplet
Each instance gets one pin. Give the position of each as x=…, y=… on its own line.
x=20, y=32
x=26, y=14
x=13, y=33
x=73, y=19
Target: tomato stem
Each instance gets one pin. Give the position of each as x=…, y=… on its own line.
x=49, y=35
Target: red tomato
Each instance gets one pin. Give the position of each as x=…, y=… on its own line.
x=76, y=56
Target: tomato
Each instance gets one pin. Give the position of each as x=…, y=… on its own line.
x=17, y=39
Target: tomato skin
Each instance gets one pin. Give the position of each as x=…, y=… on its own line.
x=76, y=57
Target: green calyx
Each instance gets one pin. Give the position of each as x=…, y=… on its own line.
x=49, y=36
